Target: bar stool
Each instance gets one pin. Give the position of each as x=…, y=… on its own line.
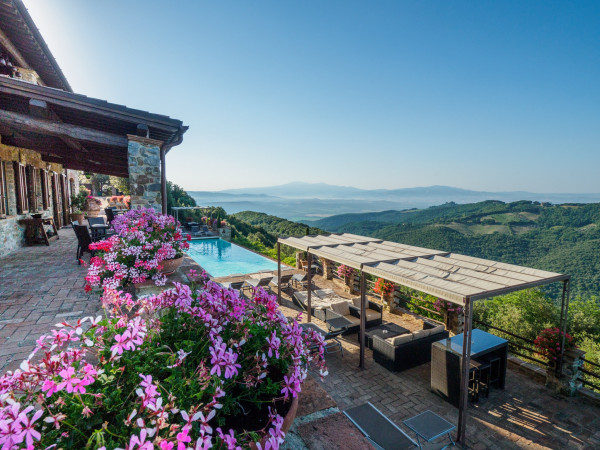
x=495, y=375
x=474, y=377
x=484, y=368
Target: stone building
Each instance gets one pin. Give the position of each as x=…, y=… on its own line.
x=48, y=133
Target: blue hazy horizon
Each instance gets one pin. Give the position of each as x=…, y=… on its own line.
x=492, y=96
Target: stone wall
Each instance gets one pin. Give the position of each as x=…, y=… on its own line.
x=144, y=172
x=12, y=234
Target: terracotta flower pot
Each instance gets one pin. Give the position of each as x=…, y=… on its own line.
x=170, y=265
x=287, y=423
x=77, y=217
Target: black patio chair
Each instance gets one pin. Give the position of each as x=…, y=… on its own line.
x=110, y=214
x=83, y=241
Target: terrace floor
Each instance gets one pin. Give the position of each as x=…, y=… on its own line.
x=41, y=286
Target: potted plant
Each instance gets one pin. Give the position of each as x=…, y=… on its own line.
x=146, y=246
x=184, y=369
x=78, y=204
x=93, y=206
x=386, y=290
x=347, y=273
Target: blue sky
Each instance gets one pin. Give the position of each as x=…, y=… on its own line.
x=481, y=95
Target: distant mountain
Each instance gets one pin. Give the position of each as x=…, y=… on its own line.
x=310, y=201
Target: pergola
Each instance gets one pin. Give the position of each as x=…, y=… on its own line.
x=453, y=277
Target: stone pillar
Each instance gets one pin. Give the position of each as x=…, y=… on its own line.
x=299, y=259
x=328, y=268
x=144, y=172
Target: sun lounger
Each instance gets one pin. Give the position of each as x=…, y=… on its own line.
x=285, y=280
x=232, y=284
x=378, y=429
x=253, y=283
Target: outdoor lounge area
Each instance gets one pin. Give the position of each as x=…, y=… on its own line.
x=37, y=292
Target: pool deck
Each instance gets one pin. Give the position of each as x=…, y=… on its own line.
x=41, y=286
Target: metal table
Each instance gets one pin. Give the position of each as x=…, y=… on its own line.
x=338, y=324
x=429, y=427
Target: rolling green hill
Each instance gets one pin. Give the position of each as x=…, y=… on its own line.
x=561, y=238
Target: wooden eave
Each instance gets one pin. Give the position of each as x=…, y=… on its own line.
x=77, y=131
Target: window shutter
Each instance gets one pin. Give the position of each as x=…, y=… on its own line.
x=32, y=188
x=21, y=188
x=3, y=211
x=45, y=190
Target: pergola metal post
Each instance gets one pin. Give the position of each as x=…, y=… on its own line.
x=163, y=180
x=278, y=273
x=363, y=313
x=564, y=316
x=309, y=280
x=464, y=379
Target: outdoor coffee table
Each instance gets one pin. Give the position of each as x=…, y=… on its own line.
x=338, y=324
x=429, y=426
x=385, y=331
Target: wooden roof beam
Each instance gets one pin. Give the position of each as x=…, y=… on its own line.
x=59, y=129
x=41, y=110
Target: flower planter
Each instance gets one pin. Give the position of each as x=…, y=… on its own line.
x=77, y=217
x=170, y=265
x=287, y=423
x=92, y=213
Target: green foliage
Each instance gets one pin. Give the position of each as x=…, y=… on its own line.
x=177, y=196
x=276, y=225
x=120, y=183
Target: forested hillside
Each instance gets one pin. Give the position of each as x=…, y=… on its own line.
x=276, y=225
x=562, y=238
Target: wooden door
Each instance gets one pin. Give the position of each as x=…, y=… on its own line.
x=65, y=198
x=56, y=200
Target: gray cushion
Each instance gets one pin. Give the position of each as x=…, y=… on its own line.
x=342, y=308
x=438, y=329
x=402, y=339
x=372, y=314
x=421, y=334
x=356, y=302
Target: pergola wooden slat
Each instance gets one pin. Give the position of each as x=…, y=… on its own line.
x=453, y=277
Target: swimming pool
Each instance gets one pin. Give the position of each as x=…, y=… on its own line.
x=221, y=258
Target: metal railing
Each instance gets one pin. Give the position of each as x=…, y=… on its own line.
x=516, y=344
x=589, y=373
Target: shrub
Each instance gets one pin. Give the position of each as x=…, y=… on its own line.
x=549, y=343
x=181, y=369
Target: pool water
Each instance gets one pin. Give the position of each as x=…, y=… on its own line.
x=221, y=258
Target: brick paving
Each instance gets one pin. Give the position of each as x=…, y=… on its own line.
x=39, y=287
x=524, y=415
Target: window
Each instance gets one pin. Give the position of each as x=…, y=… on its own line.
x=21, y=188
x=32, y=188
x=45, y=190
x=3, y=194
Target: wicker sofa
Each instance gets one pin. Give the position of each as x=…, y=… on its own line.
x=407, y=350
x=325, y=305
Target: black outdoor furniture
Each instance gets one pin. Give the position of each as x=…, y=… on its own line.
x=83, y=241
x=110, y=214
x=299, y=279
x=446, y=363
x=254, y=283
x=407, y=350
x=332, y=343
x=384, y=331
x=232, y=284
x=285, y=280
x=429, y=427
x=378, y=429
x=99, y=229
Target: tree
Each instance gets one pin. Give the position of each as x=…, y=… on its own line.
x=120, y=184
x=177, y=196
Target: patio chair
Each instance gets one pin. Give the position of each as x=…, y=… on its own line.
x=254, y=283
x=110, y=214
x=83, y=241
x=332, y=343
x=99, y=233
x=237, y=285
x=378, y=429
x=285, y=281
